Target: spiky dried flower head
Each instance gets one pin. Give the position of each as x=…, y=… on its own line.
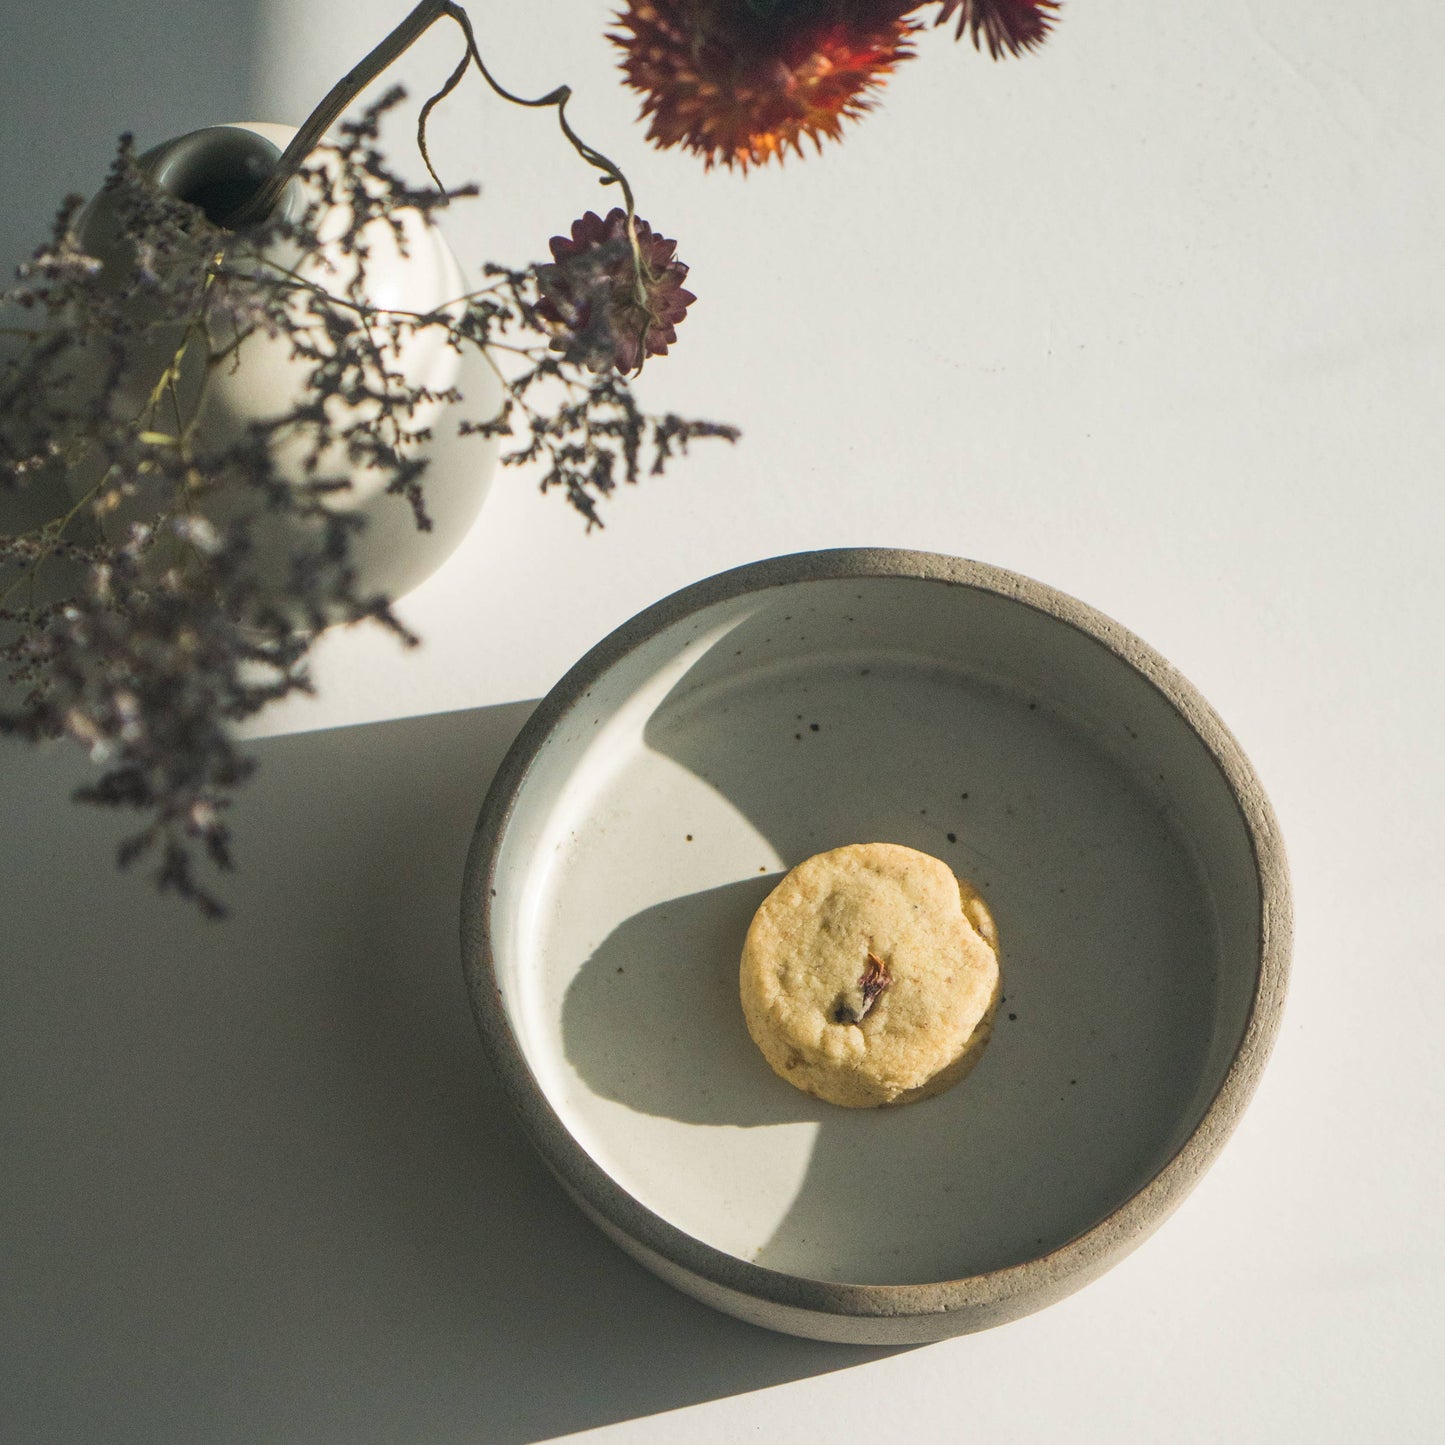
x=1003, y=25
x=611, y=306
x=739, y=82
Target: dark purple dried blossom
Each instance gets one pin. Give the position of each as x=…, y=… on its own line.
x=613, y=306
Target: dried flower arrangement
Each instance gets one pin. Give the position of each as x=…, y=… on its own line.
x=169, y=632
x=740, y=82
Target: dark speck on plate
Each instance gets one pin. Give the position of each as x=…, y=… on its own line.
x=812, y=727
x=1013, y=1018
x=953, y=837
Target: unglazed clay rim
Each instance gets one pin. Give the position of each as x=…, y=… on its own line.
x=978, y=1299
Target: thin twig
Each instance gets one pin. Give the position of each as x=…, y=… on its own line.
x=264, y=198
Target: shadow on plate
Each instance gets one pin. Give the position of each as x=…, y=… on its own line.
x=1096, y=1069
x=1043, y=1137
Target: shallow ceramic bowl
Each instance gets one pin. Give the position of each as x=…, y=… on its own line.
x=659, y=791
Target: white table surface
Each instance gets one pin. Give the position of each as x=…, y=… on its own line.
x=1156, y=317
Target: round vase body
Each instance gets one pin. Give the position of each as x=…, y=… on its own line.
x=408, y=269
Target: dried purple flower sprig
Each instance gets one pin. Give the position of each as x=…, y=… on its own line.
x=172, y=632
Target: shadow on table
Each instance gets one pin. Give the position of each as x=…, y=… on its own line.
x=259, y=1183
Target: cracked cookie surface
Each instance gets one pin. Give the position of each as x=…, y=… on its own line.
x=870, y=976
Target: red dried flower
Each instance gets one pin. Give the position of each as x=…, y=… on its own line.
x=741, y=81
x=1005, y=25
x=605, y=313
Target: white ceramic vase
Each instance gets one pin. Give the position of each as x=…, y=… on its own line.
x=417, y=272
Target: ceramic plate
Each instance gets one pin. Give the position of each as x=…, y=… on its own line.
x=666, y=785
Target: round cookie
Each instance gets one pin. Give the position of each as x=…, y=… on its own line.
x=870, y=976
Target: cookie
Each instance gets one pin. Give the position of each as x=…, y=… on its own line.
x=870, y=976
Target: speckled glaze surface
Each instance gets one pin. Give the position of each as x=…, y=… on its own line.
x=1118, y=832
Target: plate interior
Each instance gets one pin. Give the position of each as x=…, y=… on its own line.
x=1035, y=763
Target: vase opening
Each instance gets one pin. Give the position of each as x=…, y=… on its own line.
x=216, y=169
